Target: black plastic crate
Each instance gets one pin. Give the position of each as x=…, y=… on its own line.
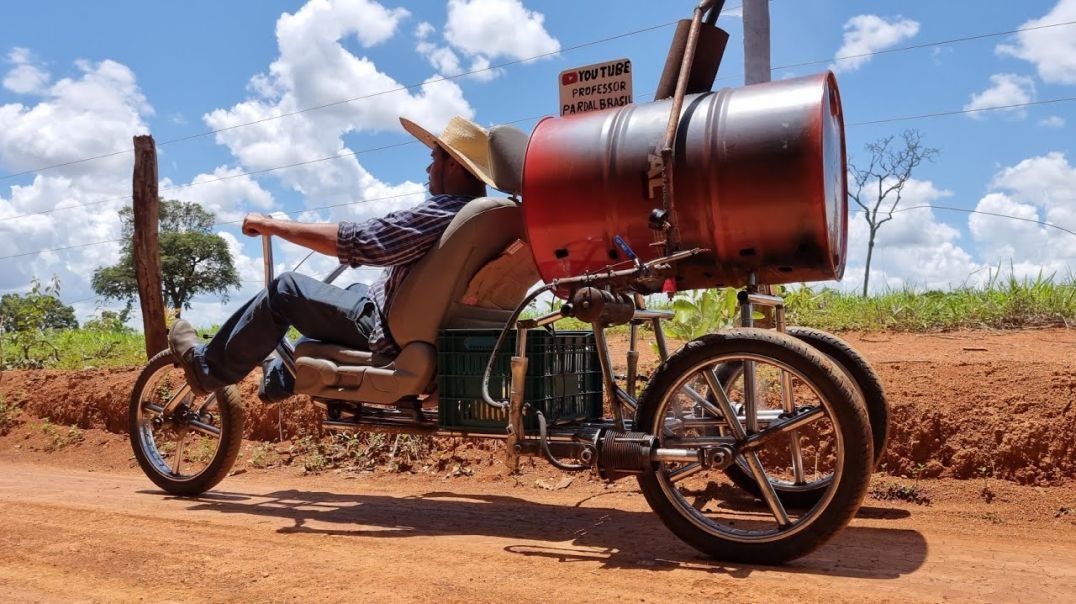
x=563, y=381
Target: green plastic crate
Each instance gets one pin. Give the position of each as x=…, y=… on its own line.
x=564, y=378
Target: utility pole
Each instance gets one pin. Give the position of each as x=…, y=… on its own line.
x=756, y=41
x=756, y=69
x=146, y=244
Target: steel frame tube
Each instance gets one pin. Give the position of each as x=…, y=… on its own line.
x=608, y=380
x=675, y=455
x=755, y=441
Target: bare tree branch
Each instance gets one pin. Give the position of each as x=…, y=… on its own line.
x=890, y=170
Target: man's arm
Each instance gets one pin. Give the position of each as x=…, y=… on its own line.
x=318, y=237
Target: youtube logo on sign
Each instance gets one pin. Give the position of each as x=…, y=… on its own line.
x=567, y=79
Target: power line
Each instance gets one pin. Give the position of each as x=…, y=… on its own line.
x=924, y=45
x=354, y=99
x=122, y=239
x=962, y=111
x=351, y=154
x=909, y=47
x=241, y=174
x=1021, y=218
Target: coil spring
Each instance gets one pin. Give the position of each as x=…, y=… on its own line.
x=624, y=453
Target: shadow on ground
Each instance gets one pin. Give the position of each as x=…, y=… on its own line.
x=612, y=537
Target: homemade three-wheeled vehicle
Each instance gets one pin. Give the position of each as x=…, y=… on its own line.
x=752, y=444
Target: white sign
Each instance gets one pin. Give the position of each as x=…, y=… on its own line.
x=595, y=87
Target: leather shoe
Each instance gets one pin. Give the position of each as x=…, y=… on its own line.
x=182, y=339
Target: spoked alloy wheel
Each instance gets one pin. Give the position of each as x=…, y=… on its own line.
x=185, y=444
x=808, y=423
x=866, y=384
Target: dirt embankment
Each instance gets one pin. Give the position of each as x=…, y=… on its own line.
x=965, y=405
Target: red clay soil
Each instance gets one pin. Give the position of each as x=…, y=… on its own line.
x=79, y=533
x=965, y=405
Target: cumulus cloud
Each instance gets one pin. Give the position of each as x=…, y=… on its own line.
x=94, y=112
x=313, y=69
x=498, y=28
x=1005, y=89
x=27, y=76
x=1052, y=50
x=479, y=32
x=865, y=34
x=1041, y=188
x=228, y=193
x=915, y=249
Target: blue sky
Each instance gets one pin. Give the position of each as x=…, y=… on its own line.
x=80, y=79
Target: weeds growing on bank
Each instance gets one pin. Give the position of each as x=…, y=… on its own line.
x=8, y=413
x=75, y=349
x=60, y=437
x=359, y=452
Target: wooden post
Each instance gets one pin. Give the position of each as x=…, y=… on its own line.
x=146, y=244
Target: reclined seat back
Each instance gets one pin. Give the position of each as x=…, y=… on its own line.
x=432, y=297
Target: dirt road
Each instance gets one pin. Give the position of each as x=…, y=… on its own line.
x=88, y=536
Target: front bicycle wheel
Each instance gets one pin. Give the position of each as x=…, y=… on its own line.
x=184, y=443
x=685, y=405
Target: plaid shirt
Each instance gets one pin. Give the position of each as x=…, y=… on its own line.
x=397, y=241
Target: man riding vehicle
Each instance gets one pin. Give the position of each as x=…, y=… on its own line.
x=458, y=172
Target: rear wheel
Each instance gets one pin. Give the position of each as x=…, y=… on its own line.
x=684, y=406
x=867, y=386
x=184, y=443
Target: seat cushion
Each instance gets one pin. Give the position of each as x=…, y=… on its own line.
x=343, y=355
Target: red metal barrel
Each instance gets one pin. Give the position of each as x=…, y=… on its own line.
x=760, y=180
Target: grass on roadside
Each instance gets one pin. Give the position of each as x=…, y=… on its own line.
x=1010, y=303
x=1002, y=304
x=76, y=349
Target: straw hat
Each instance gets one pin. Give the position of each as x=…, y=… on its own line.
x=465, y=141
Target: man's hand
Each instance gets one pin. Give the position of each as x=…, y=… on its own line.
x=256, y=224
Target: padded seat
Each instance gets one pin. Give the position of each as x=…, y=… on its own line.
x=474, y=276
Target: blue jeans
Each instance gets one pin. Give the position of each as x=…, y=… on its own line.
x=318, y=310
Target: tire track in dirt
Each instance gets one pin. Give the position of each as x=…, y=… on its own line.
x=72, y=535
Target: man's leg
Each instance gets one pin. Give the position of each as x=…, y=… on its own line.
x=316, y=309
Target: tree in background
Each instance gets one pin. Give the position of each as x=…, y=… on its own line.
x=194, y=260
x=39, y=309
x=879, y=188
x=27, y=320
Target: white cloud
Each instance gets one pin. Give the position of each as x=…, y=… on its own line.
x=1005, y=89
x=480, y=31
x=498, y=28
x=1053, y=121
x=95, y=112
x=228, y=193
x=870, y=33
x=1052, y=50
x=314, y=69
x=1041, y=188
x=424, y=30
x=913, y=250
x=26, y=77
